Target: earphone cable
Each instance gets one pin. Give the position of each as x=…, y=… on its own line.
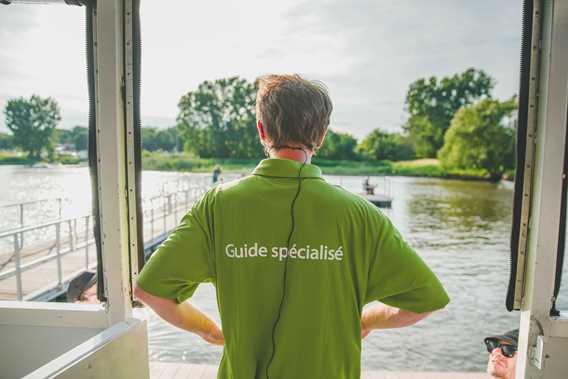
x=288, y=242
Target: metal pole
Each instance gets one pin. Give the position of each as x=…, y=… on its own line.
x=75, y=236
x=175, y=208
x=22, y=222
x=21, y=215
x=152, y=223
x=60, y=207
x=87, y=242
x=58, y=252
x=164, y=213
x=17, y=250
x=71, y=239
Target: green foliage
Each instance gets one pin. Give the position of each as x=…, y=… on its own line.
x=337, y=146
x=381, y=145
x=6, y=141
x=218, y=120
x=431, y=104
x=481, y=136
x=430, y=167
x=78, y=137
x=154, y=139
x=13, y=158
x=183, y=162
x=32, y=122
x=67, y=159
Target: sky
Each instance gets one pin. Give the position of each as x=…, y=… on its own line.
x=366, y=52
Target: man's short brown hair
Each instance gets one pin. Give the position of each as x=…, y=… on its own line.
x=293, y=110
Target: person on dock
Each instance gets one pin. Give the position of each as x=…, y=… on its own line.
x=217, y=174
x=502, y=354
x=293, y=258
x=368, y=187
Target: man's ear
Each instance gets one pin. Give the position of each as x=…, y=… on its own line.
x=322, y=138
x=261, y=131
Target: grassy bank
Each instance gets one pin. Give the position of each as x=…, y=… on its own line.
x=421, y=167
x=11, y=157
x=16, y=158
x=182, y=162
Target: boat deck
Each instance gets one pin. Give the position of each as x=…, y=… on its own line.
x=164, y=370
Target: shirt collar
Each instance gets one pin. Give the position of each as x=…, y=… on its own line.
x=285, y=168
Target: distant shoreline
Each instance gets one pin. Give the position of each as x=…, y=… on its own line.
x=427, y=168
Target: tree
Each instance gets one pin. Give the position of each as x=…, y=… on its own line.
x=78, y=137
x=32, y=122
x=149, y=141
x=481, y=136
x=218, y=120
x=337, y=146
x=6, y=141
x=432, y=103
x=382, y=145
x=154, y=139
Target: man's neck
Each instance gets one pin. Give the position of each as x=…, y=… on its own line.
x=293, y=154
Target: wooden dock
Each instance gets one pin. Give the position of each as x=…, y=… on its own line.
x=163, y=370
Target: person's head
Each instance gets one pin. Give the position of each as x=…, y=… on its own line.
x=292, y=111
x=83, y=288
x=502, y=354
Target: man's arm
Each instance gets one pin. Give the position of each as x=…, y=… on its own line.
x=382, y=316
x=183, y=315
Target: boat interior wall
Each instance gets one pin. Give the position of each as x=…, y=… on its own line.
x=31, y=347
x=39, y=333
x=104, y=355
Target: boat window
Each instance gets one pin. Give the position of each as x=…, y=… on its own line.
x=47, y=245
x=368, y=56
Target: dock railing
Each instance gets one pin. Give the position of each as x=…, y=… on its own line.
x=19, y=210
x=34, y=246
x=65, y=242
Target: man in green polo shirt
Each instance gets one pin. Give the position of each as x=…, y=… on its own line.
x=293, y=258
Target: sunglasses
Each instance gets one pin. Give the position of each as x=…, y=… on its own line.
x=507, y=350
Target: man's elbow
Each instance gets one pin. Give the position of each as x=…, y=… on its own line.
x=139, y=293
x=412, y=318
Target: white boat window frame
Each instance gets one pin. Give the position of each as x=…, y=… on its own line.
x=116, y=184
x=542, y=336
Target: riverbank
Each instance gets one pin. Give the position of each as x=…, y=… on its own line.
x=16, y=158
x=418, y=168
x=430, y=168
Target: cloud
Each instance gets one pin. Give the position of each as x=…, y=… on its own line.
x=15, y=19
x=389, y=44
x=367, y=52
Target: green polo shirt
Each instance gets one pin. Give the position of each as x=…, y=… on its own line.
x=344, y=253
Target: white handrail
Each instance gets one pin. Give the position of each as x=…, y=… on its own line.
x=168, y=204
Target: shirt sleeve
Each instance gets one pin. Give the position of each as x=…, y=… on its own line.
x=398, y=276
x=183, y=260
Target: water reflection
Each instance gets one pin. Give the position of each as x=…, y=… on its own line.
x=465, y=206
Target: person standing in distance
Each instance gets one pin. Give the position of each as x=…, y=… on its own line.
x=300, y=317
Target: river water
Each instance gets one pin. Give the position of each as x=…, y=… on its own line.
x=460, y=228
